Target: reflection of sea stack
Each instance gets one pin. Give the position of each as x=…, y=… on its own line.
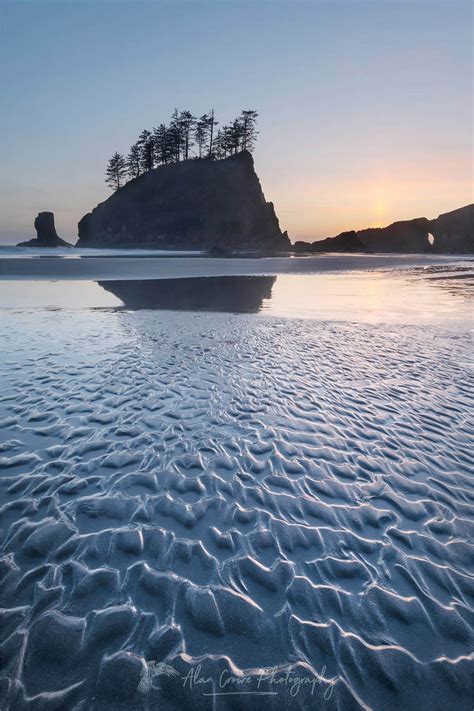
x=46, y=233
x=230, y=293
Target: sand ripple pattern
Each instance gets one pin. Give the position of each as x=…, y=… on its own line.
x=236, y=494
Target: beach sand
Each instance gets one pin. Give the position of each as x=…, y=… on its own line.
x=232, y=511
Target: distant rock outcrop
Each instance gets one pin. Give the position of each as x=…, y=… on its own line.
x=194, y=204
x=404, y=236
x=454, y=231
x=451, y=232
x=345, y=242
x=46, y=233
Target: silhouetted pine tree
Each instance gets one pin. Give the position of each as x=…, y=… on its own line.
x=211, y=124
x=201, y=133
x=219, y=151
x=147, y=150
x=116, y=171
x=235, y=135
x=133, y=161
x=248, y=120
x=175, y=142
x=187, y=122
x=162, y=144
x=225, y=141
x=175, y=135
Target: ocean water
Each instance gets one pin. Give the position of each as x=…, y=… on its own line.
x=251, y=492
x=421, y=292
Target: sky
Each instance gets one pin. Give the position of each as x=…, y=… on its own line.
x=365, y=106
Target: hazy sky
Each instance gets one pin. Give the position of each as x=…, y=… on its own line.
x=365, y=106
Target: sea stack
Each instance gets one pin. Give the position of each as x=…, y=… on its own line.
x=194, y=204
x=46, y=235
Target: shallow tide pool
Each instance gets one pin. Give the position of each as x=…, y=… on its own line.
x=427, y=294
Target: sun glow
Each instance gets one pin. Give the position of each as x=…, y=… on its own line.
x=380, y=207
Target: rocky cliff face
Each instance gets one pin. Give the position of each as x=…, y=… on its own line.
x=345, y=242
x=406, y=236
x=46, y=235
x=454, y=231
x=403, y=236
x=197, y=204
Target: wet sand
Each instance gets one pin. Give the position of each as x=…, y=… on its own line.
x=200, y=503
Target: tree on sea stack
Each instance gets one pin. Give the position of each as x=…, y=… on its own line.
x=147, y=150
x=236, y=135
x=187, y=122
x=211, y=124
x=201, y=133
x=116, y=171
x=133, y=161
x=176, y=136
x=249, y=132
x=174, y=142
x=163, y=144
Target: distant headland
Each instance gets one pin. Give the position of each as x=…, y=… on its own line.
x=452, y=232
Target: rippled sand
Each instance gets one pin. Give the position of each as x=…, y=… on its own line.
x=230, y=495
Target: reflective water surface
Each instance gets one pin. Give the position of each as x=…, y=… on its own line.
x=230, y=293
x=416, y=295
